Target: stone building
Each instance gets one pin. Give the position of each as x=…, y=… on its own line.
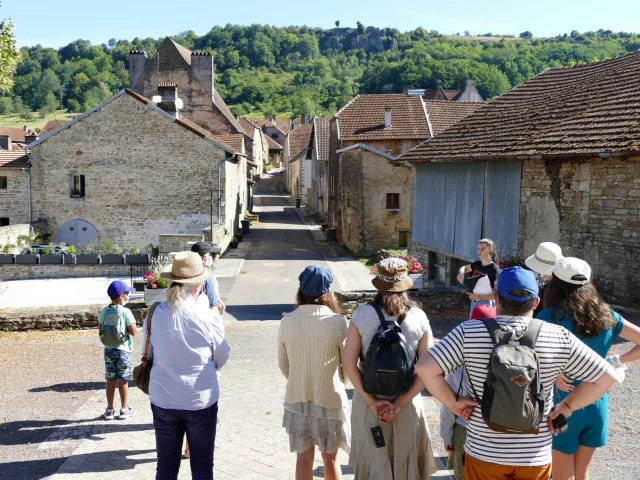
x=319, y=201
x=297, y=163
x=131, y=171
x=14, y=187
x=367, y=134
x=555, y=159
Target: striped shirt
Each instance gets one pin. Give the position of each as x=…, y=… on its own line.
x=558, y=350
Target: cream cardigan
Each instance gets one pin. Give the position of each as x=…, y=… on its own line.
x=310, y=343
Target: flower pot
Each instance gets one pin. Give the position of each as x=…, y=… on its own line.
x=112, y=259
x=50, y=259
x=87, y=259
x=233, y=245
x=418, y=280
x=26, y=259
x=68, y=259
x=6, y=259
x=136, y=259
x=152, y=295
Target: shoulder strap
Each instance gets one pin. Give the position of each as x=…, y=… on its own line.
x=378, y=310
x=145, y=357
x=498, y=336
x=530, y=336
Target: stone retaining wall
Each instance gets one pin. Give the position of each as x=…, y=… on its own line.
x=32, y=272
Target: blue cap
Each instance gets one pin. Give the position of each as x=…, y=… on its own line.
x=117, y=288
x=517, y=278
x=315, y=281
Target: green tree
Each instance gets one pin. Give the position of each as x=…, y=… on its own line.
x=6, y=106
x=526, y=34
x=49, y=106
x=9, y=55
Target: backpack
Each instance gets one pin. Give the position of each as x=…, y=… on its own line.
x=388, y=366
x=114, y=331
x=513, y=399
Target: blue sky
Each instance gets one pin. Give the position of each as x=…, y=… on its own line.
x=55, y=24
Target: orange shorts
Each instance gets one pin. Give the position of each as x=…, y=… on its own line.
x=475, y=469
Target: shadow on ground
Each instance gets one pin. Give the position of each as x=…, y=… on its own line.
x=71, y=387
x=259, y=312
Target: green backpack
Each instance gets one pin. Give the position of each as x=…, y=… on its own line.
x=513, y=400
x=114, y=330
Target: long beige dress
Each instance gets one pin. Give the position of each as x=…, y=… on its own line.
x=407, y=454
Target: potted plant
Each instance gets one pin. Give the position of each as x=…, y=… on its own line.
x=234, y=243
x=69, y=257
x=239, y=237
x=88, y=255
x=155, y=288
x=49, y=257
x=6, y=257
x=134, y=257
x=26, y=256
x=110, y=253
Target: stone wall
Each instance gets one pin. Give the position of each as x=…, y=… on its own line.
x=178, y=242
x=14, y=200
x=33, y=272
x=10, y=233
x=591, y=208
x=144, y=175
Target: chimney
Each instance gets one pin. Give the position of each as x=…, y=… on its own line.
x=28, y=139
x=5, y=142
x=137, y=62
x=202, y=68
x=169, y=101
x=387, y=118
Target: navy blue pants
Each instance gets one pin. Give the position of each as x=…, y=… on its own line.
x=170, y=427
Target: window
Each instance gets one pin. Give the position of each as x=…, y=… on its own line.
x=393, y=201
x=4, y=221
x=274, y=136
x=403, y=239
x=77, y=187
x=3, y=183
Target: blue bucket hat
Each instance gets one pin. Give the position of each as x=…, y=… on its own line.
x=117, y=288
x=315, y=281
x=517, y=278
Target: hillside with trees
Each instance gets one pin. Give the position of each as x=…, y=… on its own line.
x=263, y=70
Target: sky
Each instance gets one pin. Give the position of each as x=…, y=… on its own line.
x=55, y=24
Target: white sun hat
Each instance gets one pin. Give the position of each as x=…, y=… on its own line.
x=546, y=256
x=572, y=270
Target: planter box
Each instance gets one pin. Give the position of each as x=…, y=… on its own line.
x=139, y=285
x=6, y=259
x=112, y=259
x=26, y=259
x=418, y=280
x=68, y=259
x=87, y=259
x=50, y=259
x=233, y=245
x=152, y=295
x=136, y=259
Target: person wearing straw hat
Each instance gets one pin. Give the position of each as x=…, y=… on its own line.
x=407, y=452
x=187, y=348
x=573, y=302
x=542, y=262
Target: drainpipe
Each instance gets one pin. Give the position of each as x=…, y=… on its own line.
x=26, y=170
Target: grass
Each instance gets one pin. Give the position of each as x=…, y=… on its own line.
x=37, y=122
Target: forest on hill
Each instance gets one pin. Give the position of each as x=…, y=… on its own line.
x=264, y=70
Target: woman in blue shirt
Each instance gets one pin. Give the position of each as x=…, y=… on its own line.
x=571, y=301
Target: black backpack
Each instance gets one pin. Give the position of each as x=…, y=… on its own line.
x=388, y=366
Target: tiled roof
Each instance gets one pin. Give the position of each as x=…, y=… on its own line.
x=584, y=110
x=273, y=145
x=444, y=113
x=224, y=110
x=13, y=159
x=284, y=125
x=16, y=134
x=167, y=84
x=440, y=94
x=322, y=138
x=363, y=118
x=299, y=139
x=263, y=122
x=248, y=127
x=232, y=140
x=50, y=126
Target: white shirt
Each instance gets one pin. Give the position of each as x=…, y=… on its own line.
x=187, y=347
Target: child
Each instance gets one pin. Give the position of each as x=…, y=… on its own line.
x=453, y=430
x=487, y=265
x=117, y=359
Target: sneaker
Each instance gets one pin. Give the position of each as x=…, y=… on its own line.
x=109, y=414
x=125, y=413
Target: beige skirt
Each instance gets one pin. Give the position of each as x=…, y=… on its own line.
x=407, y=454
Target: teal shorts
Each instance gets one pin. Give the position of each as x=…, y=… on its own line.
x=117, y=364
x=588, y=427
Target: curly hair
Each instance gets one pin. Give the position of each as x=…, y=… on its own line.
x=589, y=314
x=328, y=300
x=395, y=303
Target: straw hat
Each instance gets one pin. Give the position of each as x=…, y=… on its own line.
x=392, y=276
x=187, y=268
x=546, y=256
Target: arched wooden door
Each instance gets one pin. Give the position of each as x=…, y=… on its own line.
x=77, y=233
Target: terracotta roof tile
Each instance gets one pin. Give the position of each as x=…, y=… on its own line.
x=363, y=118
x=444, y=113
x=234, y=141
x=224, y=110
x=13, y=159
x=263, y=122
x=273, y=145
x=299, y=139
x=16, y=134
x=284, y=125
x=322, y=138
x=50, y=126
x=440, y=94
x=248, y=127
x=563, y=112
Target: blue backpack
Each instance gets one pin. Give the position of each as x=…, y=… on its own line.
x=114, y=330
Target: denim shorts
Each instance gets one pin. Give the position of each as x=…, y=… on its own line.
x=117, y=364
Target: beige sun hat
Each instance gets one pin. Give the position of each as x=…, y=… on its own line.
x=187, y=268
x=393, y=276
x=546, y=256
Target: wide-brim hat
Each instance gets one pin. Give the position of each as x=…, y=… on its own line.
x=546, y=256
x=392, y=276
x=187, y=268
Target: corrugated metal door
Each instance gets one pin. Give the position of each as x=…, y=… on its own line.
x=502, y=204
